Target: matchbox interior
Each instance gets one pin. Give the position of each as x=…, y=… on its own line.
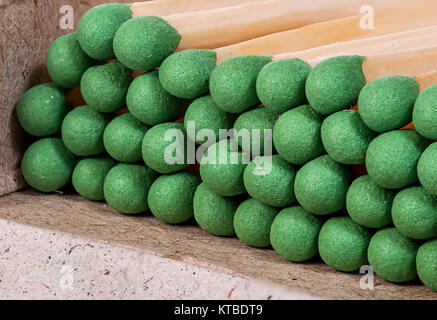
x=27, y=28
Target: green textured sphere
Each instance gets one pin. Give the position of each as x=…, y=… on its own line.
x=414, y=213
x=89, y=176
x=387, y=103
x=164, y=147
x=222, y=169
x=252, y=222
x=47, y=165
x=369, y=204
x=185, y=74
x=321, y=185
x=67, y=62
x=42, y=109
x=393, y=256
x=105, y=87
x=392, y=158
x=123, y=137
x=346, y=137
x=214, y=213
x=171, y=197
x=425, y=113
x=82, y=131
x=281, y=84
x=126, y=187
x=270, y=180
x=426, y=262
x=259, y=123
x=343, y=244
x=150, y=103
x=427, y=169
x=296, y=135
x=203, y=113
x=97, y=28
x=335, y=83
x=233, y=82
x=294, y=234
x=143, y=43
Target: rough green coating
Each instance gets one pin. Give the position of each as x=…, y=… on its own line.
x=414, y=213
x=369, y=204
x=89, y=176
x=185, y=74
x=343, y=244
x=41, y=109
x=281, y=84
x=164, y=147
x=393, y=256
x=67, y=62
x=214, y=213
x=427, y=169
x=346, y=137
x=82, y=131
x=270, y=180
x=321, y=185
x=426, y=262
x=205, y=114
x=387, y=103
x=47, y=165
x=259, y=124
x=335, y=83
x=97, y=28
x=392, y=158
x=233, y=82
x=294, y=234
x=171, y=197
x=105, y=87
x=150, y=103
x=222, y=168
x=143, y=43
x=425, y=113
x=252, y=222
x=296, y=135
x=126, y=187
x=123, y=137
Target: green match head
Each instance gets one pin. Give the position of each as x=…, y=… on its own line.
x=47, y=165
x=393, y=256
x=185, y=74
x=42, y=109
x=321, y=185
x=296, y=135
x=126, y=187
x=233, y=82
x=67, y=62
x=294, y=234
x=82, y=131
x=105, y=87
x=427, y=169
x=425, y=113
x=123, y=137
x=343, y=244
x=281, y=84
x=387, y=103
x=346, y=137
x=252, y=223
x=335, y=83
x=426, y=261
x=150, y=103
x=392, y=158
x=89, y=176
x=171, y=197
x=97, y=28
x=143, y=43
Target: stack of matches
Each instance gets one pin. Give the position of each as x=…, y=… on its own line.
x=291, y=124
